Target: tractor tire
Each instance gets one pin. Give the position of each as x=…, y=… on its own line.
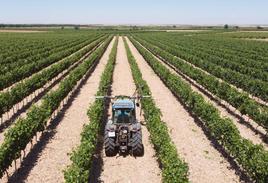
x=137, y=146
x=109, y=144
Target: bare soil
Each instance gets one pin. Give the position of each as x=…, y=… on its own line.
x=53, y=158
x=129, y=169
x=244, y=130
x=206, y=164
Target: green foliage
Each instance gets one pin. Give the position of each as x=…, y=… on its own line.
x=17, y=66
x=173, y=167
x=82, y=156
x=252, y=158
x=223, y=90
x=17, y=93
x=19, y=135
x=240, y=68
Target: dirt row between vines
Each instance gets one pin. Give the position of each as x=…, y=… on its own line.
x=129, y=169
x=48, y=159
x=206, y=163
x=20, y=109
x=244, y=129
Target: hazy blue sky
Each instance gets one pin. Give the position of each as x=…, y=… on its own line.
x=135, y=11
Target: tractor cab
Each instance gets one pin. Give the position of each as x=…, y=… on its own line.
x=123, y=111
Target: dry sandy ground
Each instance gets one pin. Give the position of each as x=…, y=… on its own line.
x=129, y=169
x=53, y=158
x=22, y=31
x=245, y=131
x=206, y=164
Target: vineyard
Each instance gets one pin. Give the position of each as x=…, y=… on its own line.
x=206, y=119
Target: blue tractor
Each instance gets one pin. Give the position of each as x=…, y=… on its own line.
x=123, y=131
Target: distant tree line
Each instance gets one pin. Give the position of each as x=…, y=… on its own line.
x=130, y=27
x=226, y=26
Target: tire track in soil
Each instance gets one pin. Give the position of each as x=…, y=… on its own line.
x=51, y=159
x=129, y=169
x=206, y=164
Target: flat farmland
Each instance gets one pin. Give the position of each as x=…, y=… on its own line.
x=205, y=117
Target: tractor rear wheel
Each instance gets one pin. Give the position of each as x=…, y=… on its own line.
x=109, y=144
x=137, y=146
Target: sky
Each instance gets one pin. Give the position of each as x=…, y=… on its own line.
x=141, y=12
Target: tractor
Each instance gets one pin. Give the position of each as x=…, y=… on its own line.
x=123, y=131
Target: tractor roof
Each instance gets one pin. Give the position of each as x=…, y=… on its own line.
x=123, y=103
